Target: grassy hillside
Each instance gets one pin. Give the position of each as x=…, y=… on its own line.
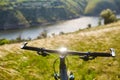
x=37, y=12
x=12, y=19
x=17, y=64
x=96, y=6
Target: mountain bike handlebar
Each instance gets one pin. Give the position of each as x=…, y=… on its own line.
x=92, y=54
x=63, y=52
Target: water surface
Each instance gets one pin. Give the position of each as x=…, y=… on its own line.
x=64, y=26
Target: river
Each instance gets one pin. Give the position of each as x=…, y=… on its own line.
x=63, y=26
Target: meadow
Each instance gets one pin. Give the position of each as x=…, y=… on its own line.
x=18, y=64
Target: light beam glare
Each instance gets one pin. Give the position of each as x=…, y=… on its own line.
x=63, y=49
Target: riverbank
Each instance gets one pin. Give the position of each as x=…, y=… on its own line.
x=43, y=34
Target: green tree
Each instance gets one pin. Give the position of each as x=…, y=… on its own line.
x=108, y=16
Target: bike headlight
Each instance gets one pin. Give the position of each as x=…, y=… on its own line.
x=63, y=49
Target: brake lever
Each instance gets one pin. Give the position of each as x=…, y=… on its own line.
x=42, y=52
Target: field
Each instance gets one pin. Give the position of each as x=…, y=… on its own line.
x=17, y=64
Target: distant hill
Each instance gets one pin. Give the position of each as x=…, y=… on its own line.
x=25, y=13
x=96, y=6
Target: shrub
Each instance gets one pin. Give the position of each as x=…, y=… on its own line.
x=4, y=41
x=108, y=16
x=89, y=25
x=61, y=33
x=42, y=35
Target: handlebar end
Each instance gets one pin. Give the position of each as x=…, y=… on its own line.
x=112, y=52
x=24, y=44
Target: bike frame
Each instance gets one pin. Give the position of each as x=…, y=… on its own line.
x=63, y=69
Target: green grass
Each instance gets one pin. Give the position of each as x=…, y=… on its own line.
x=17, y=64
